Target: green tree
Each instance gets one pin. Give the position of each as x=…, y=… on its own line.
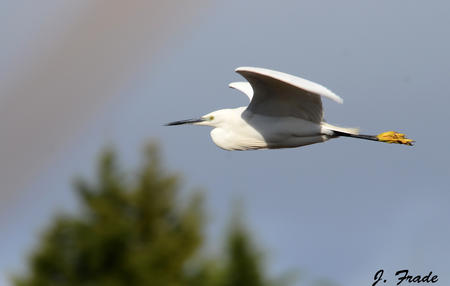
x=133, y=232
x=243, y=265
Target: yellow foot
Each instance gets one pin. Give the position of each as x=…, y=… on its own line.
x=394, y=137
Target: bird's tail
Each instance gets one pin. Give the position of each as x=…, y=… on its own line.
x=353, y=131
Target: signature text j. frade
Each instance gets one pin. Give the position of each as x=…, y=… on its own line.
x=404, y=277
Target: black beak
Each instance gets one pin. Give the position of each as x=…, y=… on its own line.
x=187, y=121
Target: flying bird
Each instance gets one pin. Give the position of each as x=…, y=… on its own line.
x=285, y=111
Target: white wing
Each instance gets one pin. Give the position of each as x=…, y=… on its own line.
x=280, y=94
x=243, y=87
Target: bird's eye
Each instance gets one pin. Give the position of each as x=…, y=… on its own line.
x=211, y=118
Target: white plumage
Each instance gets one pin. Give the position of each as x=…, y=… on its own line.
x=244, y=87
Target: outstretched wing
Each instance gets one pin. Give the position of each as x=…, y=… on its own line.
x=280, y=94
x=243, y=87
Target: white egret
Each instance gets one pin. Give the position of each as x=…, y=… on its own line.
x=285, y=111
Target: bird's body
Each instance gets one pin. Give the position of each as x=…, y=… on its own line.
x=245, y=130
x=284, y=112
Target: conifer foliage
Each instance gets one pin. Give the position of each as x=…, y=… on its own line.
x=133, y=231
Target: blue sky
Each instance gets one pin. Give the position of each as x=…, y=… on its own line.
x=339, y=210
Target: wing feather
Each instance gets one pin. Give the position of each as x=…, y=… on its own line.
x=280, y=94
x=243, y=87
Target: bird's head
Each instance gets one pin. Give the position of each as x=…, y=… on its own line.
x=212, y=119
